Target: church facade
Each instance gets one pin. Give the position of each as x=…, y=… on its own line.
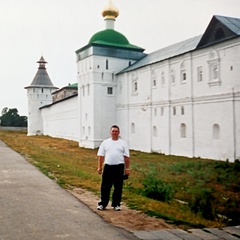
x=180, y=100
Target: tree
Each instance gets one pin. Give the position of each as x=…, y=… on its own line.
x=11, y=118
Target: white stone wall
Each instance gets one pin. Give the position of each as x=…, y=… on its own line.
x=192, y=116
x=61, y=119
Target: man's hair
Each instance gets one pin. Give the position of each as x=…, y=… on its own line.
x=115, y=126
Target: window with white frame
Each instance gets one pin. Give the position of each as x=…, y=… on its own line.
x=162, y=79
x=172, y=77
x=154, y=79
x=199, y=74
x=183, y=73
x=134, y=78
x=214, y=68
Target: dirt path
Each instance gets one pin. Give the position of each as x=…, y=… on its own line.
x=131, y=220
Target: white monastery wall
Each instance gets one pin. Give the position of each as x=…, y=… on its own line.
x=61, y=119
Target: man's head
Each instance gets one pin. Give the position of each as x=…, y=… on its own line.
x=115, y=131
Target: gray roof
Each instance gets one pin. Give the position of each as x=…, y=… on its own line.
x=230, y=27
x=41, y=78
x=166, y=53
x=232, y=23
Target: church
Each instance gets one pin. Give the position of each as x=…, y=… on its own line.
x=181, y=100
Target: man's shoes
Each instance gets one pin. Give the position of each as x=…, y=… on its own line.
x=117, y=208
x=100, y=207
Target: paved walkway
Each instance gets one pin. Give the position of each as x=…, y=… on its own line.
x=33, y=207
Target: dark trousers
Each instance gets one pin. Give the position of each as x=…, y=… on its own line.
x=112, y=176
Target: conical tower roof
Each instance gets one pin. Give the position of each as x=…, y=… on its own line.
x=41, y=78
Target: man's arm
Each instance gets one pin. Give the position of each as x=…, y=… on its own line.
x=127, y=165
x=100, y=163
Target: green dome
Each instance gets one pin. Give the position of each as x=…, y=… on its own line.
x=109, y=36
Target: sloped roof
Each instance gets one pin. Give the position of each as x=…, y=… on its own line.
x=41, y=78
x=166, y=53
x=230, y=22
x=219, y=29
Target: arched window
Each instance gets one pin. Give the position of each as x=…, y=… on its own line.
x=132, y=128
x=154, y=131
x=183, y=130
x=214, y=68
x=134, y=78
x=154, y=79
x=183, y=73
x=216, y=131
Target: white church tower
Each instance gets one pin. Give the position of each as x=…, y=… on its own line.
x=106, y=54
x=39, y=94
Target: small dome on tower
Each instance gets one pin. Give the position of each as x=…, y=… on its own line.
x=110, y=11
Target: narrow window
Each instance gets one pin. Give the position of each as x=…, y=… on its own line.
x=183, y=73
x=107, y=64
x=154, y=131
x=162, y=111
x=155, y=112
x=83, y=91
x=42, y=90
x=182, y=110
x=172, y=77
x=183, y=130
x=174, y=110
x=132, y=128
x=162, y=79
x=216, y=131
x=135, y=86
x=199, y=74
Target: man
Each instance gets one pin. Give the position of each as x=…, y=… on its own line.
x=114, y=153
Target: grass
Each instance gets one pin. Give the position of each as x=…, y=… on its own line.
x=205, y=193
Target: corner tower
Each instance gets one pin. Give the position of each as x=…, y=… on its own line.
x=107, y=53
x=39, y=94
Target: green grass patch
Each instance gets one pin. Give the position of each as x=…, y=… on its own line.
x=188, y=192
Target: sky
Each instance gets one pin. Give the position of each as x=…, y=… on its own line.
x=55, y=29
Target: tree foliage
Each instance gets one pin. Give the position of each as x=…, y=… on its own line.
x=11, y=118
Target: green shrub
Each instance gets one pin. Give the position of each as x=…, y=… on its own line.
x=202, y=202
x=155, y=188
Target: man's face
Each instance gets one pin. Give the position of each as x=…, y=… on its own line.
x=114, y=132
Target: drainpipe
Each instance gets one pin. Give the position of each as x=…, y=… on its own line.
x=192, y=105
x=234, y=125
x=169, y=111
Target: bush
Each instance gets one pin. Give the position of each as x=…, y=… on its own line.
x=155, y=188
x=202, y=202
